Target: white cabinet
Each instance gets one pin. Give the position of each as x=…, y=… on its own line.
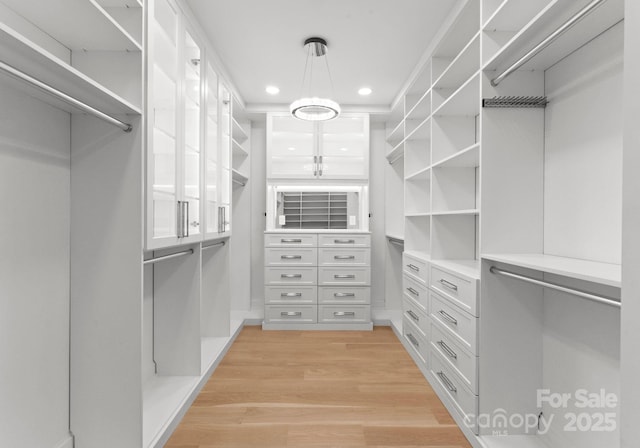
x=225, y=162
x=334, y=150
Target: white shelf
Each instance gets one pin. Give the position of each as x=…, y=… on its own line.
x=421, y=109
x=421, y=255
x=238, y=150
x=466, y=63
x=395, y=237
x=396, y=135
x=239, y=178
x=463, y=102
x=420, y=131
x=238, y=133
x=591, y=271
x=513, y=15
x=417, y=214
x=456, y=212
x=467, y=158
x=470, y=268
x=423, y=174
x=396, y=153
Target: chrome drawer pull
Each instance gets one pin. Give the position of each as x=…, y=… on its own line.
x=291, y=294
x=413, y=267
x=413, y=340
x=291, y=276
x=448, y=350
x=414, y=292
x=413, y=315
x=344, y=313
x=448, y=317
x=344, y=294
x=344, y=257
x=291, y=314
x=344, y=276
x=447, y=284
x=447, y=383
x=291, y=240
x=344, y=241
x=291, y=257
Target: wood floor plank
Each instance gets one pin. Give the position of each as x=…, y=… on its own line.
x=317, y=389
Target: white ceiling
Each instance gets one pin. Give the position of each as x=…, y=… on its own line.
x=375, y=43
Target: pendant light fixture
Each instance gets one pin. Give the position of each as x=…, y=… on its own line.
x=314, y=108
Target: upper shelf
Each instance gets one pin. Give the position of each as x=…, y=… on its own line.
x=238, y=133
x=238, y=150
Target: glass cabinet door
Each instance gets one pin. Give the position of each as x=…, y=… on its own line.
x=292, y=148
x=344, y=148
x=211, y=154
x=224, y=162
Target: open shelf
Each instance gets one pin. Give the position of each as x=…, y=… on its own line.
x=466, y=63
x=474, y=211
x=239, y=178
x=463, y=102
x=469, y=157
x=591, y=271
x=396, y=135
x=419, y=111
x=238, y=150
x=468, y=267
x=396, y=153
x=237, y=132
x=423, y=174
x=422, y=255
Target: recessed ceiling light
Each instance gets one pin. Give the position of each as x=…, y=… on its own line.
x=365, y=91
x=272, y=90
x=344, y=149
x=291, y=148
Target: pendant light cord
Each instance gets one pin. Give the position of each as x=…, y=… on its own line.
x=326, y=60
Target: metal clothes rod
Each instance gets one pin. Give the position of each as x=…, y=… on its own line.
x=391, y=162
x=221, y=243
x=167, y=257
x=238, y=182
x=64, y=97
x=396, y=241
x=547, y=41
x=576, y=292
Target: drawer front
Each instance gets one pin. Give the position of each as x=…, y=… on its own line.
x=459, y=289
x=415, y=339
x=294, y=256
x=290, y=276
x=416, y=267
x=464, y=399
x=462, y=326
x=344, y=295
x=290, y=240
x=354, y=314
x=461, y=361
x=343, y=276
x=299, y=295
x=345, y=240
x=417, y=315
x=278, y=314
x=417, y=291
x=344, y=257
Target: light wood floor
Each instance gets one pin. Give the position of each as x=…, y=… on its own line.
x=317, y=389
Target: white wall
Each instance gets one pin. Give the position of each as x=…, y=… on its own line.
x=377, y=209
x=240, y=242
x=257, y=184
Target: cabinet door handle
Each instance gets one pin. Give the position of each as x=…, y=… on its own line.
x=448, y=350
x=315, y=166
x=448, y=317
x=413, y=315
x=447, y=382
x=413, y=340
x=344, y=241
x=291, y=313
x=413, y=291
x=449, y=285
x=320, y=163
x=413, y=267
x=291, y=257
x=290, y=275
x=195, y=223
x=344, y=257
x=219, y=219
x=291, y=294
x=290, y=240
x=344, y=313
x=344, y=294
x=342, y=276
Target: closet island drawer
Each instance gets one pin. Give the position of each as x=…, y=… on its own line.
x=293, y=256
x=343, y=276
x=416, y=267
x=463, y=362
x=278, y=314
x=417, y=291
x=417, y=315
x=458, y=288
x=328, y=295
x=460, y=325
x=346, y=240
x=290, y=276
x=415, y=339
x=290, y=240
x=344, y=257
x=276, y=295
x=344, y=313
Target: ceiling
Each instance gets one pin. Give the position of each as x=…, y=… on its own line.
x=374, y=43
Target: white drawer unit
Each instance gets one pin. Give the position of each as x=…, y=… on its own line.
x=417, y=291
x=279, y=314
x=331, y=295
x=331, y=256
x=417, y=314
x=291, y=256
x=299, y=295
x=416, y=267
x=344, y=240
x=463, y=362
x=290, y=275
x=343, y=276
x=341, y=314
x=461, y=290
x=416, y=340
x=290, y=240
x=462, y=326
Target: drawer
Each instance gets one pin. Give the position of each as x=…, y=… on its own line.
x=460, y=360
x=416, y=267
x=344, y=295
x=344, y=257
x=354, y=314
x=299, y=295
x=417, y=315
x=460, y=289
x=416, y=341
x=293, y=256
x=417, y=291
x=278, y=314
x=290, y=276
x=344, y=240
x=464, y=400
x=343, y=276
x=290, y=240
x=463, y=327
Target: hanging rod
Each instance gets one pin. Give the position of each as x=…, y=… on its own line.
x=167, y=257
x=238, y=182
x=547, y=41
x=221, y=243
x=576, y=292
x=396, y=241
x=395, y=159
x=64, y=97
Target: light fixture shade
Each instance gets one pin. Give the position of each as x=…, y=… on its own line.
x=315, y=109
